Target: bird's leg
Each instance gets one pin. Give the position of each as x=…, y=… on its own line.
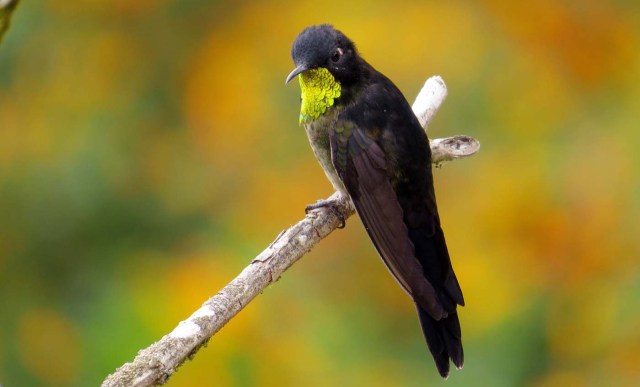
x=331, y=205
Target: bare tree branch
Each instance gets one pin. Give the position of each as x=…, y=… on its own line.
x=154, y=365
x=6, y=10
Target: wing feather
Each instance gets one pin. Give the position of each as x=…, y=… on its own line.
x=366, y=179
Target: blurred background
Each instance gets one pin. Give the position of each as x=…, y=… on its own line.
x=150, y=149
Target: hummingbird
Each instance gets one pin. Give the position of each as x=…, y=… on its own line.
x=374, y=151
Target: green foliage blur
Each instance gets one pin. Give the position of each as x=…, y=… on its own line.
x=150, y=149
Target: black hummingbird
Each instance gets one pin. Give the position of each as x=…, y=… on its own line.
x=373, y=150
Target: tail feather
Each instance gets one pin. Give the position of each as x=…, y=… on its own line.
x=443, y=339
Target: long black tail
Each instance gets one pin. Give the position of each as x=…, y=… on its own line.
x=444, y=339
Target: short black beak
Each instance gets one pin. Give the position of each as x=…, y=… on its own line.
x=296, y=71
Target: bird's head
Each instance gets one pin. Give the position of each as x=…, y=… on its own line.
x=324, y=47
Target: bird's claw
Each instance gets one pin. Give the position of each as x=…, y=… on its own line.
x=330, y=205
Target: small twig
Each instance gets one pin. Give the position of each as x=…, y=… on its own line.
x=448, y=149
x=6, y=10
x=154, y=365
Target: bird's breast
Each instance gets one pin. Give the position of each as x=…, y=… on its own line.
x=318, y=133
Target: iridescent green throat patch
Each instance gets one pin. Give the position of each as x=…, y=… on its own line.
x=319, y=91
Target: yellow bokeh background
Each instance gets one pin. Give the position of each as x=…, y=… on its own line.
x=150, y=149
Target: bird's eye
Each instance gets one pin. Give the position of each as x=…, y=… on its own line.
x=336, y=54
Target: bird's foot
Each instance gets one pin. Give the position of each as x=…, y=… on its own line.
x=331, y=205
